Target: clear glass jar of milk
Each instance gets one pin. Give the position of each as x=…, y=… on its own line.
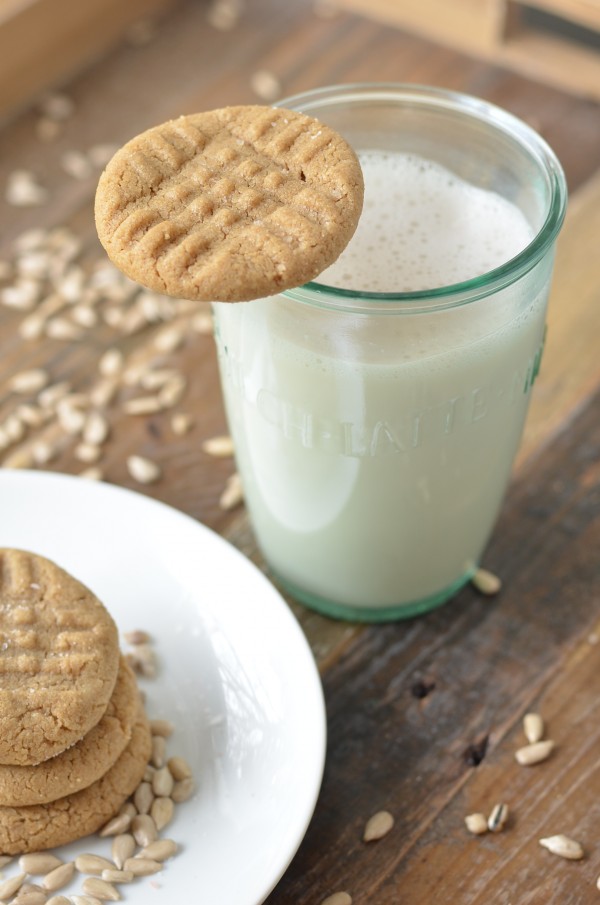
x=376, y=412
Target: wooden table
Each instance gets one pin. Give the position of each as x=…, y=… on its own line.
x=423, y=716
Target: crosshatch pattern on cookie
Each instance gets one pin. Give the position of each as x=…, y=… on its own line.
x=59, y=658
x=229, y=205
x=83, y=763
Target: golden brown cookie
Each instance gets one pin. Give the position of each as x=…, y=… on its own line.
x=41, y=826
x=83, y=763
x=229, y=205
x=59, y=658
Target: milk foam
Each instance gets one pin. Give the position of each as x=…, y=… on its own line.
x=423, y=227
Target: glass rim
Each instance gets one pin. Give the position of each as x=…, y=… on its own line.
x=455, y=294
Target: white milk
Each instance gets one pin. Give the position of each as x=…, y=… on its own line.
x=375, y=450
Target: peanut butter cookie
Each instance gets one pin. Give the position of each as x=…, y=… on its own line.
x=41, y=826
x=83, y=763
x=59, y=658
x=231, y=204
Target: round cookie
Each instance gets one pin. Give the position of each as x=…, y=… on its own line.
x=41, y=826
x=59, y=658
x=83, y=763
x=231, y=204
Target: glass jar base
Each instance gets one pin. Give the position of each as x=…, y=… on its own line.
x=393, y=613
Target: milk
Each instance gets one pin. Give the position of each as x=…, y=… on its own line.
x=375, y=449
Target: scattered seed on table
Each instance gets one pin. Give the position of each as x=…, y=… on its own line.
x=32, y=381
x=76, y=164
x=486, y=582
x=181, y=423
x=58, y=107
x=218, y=446
x=266, y=85
x=143, y=405
x=95, y=429
x=100, y=154
x=533, y=727
x=143, y=470
x=223, y=14
x=564, y=846
x=233, y=494
x=378, y=826
x=92, y=474
x=534, y=753
x=23, y=190
x=498, y=818
x=476, y=824
x=338, y=898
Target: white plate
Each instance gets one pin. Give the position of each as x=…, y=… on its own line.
x=237, y=677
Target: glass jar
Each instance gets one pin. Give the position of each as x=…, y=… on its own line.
x=375, y=430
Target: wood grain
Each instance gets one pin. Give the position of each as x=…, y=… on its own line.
x=396, y=741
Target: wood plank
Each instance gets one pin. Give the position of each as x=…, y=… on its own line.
x=486, y=663
x=45, y=41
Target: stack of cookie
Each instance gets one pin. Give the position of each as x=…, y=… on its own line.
x=74, y=739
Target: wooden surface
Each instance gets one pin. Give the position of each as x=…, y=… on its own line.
x=408, y=703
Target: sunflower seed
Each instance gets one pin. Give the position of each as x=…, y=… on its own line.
x=87, y=452
x=111, y=362
x=233, y=493
x=85, y=900
x=534, y=753
x=101, y=889
x=160, y=850
x=138, y=636
x=59, y=877
x=23, y=190
x=202, y=324
x=91, y=864
x=223, y=14
x=476, y=824
x=563, y=846
x=58, y=900
x=117, y=876
x=143, y=405
x=62, y=328
x=498, y=817
x=159, y=751
x=84, y=316
x=92, y=474
x=34, y=264
x=181, y=423
x=378, y=826
x=129, y=808
x=162, y=727
x=143, y=828
x=71, y=418
x=104, y=392
x=116, y=826
x=143, y=470
x=169, y=339
x=173, y=391
x=14, y=428
x=338, y=898
x=57, y=106
x=29, y=381
x=30, y=896
x=39, y=863
x=47, y=129
x=533, y=727
x=95, y=430
x=179, y=767
x=218, y=446
x=486, y=582
x=21, y=296
x=9, y=887
x=162, y=812
x=49, y=397
x=123, y=847
x=20, y=458
x=31, y=415
x=100, y=154
x=162, y=782
x=266, y=85
x=182, y=790
x=142, y=867
x=76, y=164
x=143, y=798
